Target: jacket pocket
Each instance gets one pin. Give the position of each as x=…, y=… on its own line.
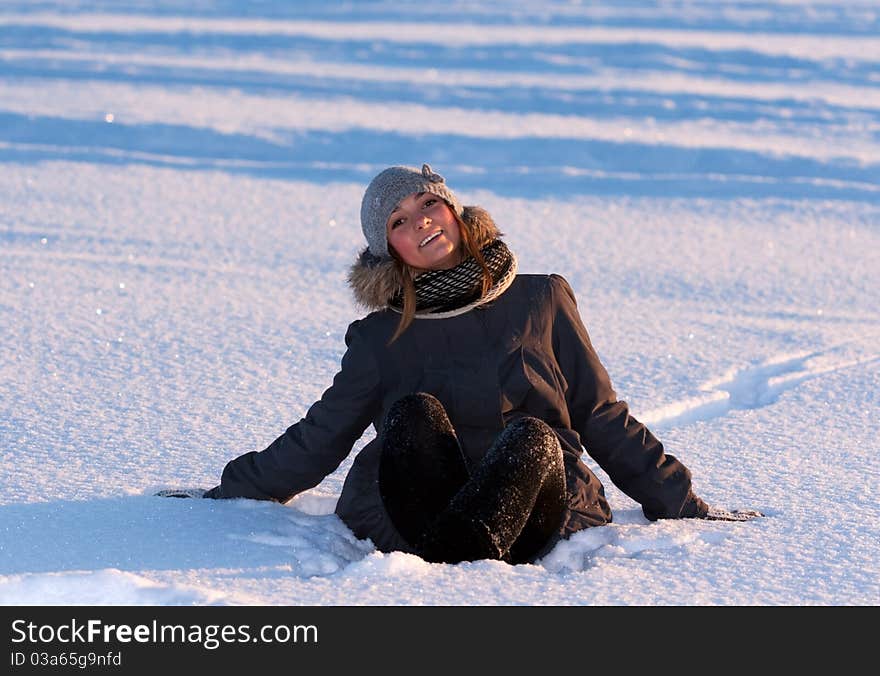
x=544, y=373
x=530, y=382
x=513, y=382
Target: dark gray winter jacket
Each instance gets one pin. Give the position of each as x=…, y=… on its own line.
x=525, y=353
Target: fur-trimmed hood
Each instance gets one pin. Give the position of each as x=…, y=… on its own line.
x=374, y=281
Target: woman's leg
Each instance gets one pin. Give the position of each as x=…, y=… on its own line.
x=422, y=465
x=512, y=504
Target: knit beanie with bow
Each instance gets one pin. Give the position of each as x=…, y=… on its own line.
x=386, y=191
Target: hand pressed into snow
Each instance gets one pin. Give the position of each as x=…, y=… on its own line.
x=181, y=493
x=719, y=514
x=695, y=508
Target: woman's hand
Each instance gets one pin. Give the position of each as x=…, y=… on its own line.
x=181, y=493
x=719, y=514
x=695, y=508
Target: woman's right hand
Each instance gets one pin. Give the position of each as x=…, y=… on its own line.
x=183, y=493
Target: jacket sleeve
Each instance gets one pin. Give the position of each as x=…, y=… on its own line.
x=622, y=446
x=315, y=446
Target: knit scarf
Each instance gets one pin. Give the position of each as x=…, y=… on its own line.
x=446, y=293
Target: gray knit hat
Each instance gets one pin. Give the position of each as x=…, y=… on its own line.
x=384, y=194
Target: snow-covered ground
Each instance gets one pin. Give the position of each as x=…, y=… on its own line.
x=179, y=199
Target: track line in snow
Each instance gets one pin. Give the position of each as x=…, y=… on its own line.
x=753, y=387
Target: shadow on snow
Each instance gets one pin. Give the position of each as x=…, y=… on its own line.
x=528, y=167
x=149, y=533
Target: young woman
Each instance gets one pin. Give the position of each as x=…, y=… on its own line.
x=483, y=388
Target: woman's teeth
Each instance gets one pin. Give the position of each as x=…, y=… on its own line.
x=429, y=238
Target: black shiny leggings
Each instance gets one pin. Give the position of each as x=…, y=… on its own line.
x=507, y=507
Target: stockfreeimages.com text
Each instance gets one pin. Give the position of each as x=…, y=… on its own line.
x=210, y=636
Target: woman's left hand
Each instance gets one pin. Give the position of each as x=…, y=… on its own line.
x=695, y=508
x=719, y=514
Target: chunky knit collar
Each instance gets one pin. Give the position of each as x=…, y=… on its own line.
x=446, y=293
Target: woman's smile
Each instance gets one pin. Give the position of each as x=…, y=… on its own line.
x=430, y=238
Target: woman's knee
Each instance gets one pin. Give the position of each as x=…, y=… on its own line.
x=535, y=435
x=418, y=423
x=531, y=425
x=421, y=405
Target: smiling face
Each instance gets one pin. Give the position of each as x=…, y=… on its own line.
x=424, y=233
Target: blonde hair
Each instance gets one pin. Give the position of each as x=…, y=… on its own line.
x=467, y=247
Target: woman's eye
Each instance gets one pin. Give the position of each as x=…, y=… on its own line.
x=396, y=223
x=429, y=203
